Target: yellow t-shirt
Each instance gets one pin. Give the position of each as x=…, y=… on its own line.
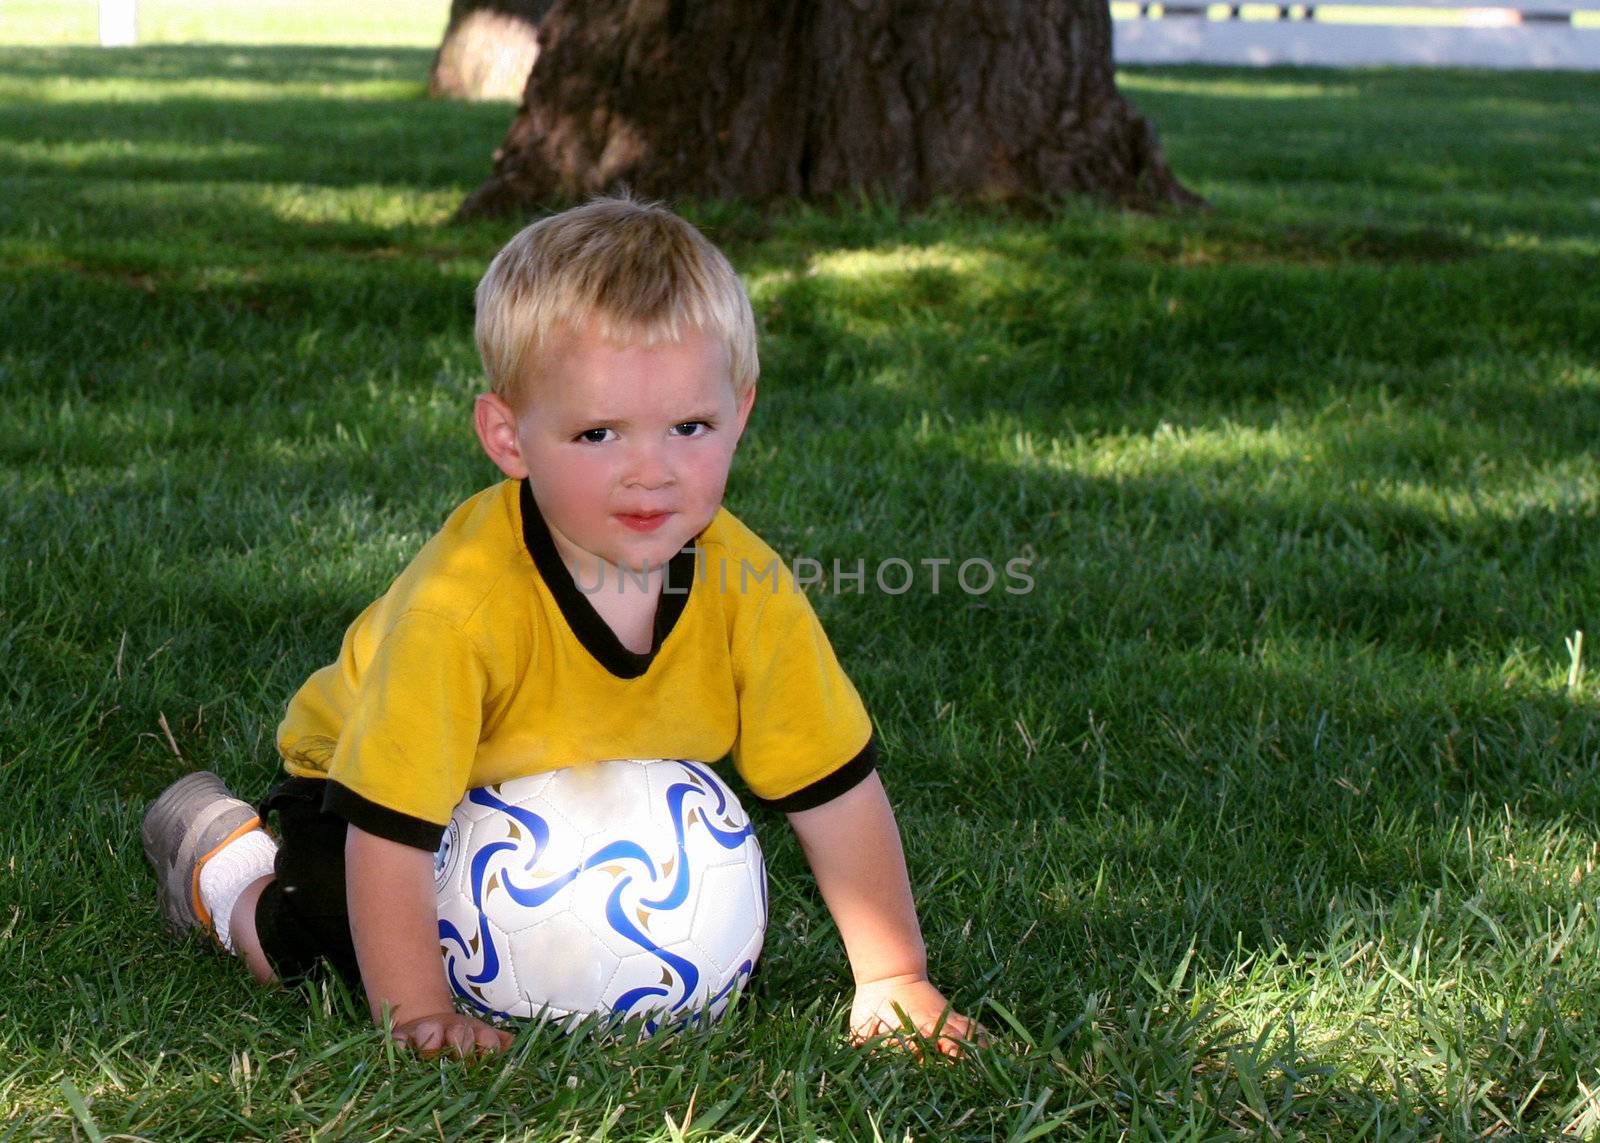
x=484, y=661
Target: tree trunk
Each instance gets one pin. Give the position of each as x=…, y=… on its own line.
x=488, y=50
x=987, y=100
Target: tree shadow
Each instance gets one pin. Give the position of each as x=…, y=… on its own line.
x=309, y=116
x=1378, y=128
x=276, y=65
x=1020, y=328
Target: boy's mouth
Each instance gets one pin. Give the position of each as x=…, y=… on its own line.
x=643, y=522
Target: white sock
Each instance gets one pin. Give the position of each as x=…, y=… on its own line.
x=229, y=872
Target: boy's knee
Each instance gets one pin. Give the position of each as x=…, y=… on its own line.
x=302, y=916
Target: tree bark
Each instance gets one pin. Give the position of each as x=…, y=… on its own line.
x=489, y=48
x=985, y=100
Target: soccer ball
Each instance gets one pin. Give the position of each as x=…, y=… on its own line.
x=626, y=888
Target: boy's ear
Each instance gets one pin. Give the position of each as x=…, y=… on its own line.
x=746, y=403
x=496, y=423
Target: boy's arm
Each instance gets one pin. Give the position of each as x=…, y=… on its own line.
x=394, y=923
x=853, y=847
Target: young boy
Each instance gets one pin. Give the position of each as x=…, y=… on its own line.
x=599, y=603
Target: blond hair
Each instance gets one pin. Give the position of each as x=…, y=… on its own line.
x=637, y=270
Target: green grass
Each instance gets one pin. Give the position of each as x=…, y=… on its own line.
x=395, y=23
x=1268, y=813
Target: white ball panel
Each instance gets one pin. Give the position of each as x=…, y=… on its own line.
x=726, y=913
x=551, y=969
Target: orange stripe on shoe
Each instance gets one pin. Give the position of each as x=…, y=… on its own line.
x=200, y=910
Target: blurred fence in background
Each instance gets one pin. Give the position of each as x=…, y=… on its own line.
x=1440, y=33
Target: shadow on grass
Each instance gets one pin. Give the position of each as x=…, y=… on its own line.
x=1393, y=367
x=276, y=65
x=313, y=116
x=309, y=141
x=1414, y=129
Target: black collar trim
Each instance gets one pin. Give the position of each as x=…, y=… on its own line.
x=592, y=631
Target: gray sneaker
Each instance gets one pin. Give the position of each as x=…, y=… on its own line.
x=192, y=819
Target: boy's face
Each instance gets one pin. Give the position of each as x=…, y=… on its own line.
x=626, y=448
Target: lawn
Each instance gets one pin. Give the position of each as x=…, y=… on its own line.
x=393, y=23
x=1270, y=812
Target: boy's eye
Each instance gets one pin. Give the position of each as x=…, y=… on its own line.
x=594, y=436
x=690, y=428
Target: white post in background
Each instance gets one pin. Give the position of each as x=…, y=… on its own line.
x=118, y=24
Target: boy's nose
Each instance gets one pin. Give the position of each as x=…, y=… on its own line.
x=648, y=468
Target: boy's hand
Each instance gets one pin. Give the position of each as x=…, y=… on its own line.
x=454, y=1033
x=889, y=1007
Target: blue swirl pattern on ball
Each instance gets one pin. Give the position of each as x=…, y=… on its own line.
x=639, y=882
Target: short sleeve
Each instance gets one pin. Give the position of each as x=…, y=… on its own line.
x=405, y=754
x=804, y=735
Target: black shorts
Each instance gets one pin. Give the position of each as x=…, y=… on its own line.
x=302, y=918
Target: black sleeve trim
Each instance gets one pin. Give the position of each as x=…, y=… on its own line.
x=824, y=790
x=380, y=821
